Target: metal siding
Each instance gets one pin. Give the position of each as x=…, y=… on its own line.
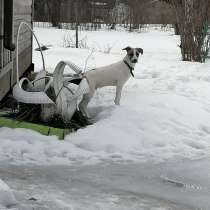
x=5, y=59
x=22, y=12
x=1, y=34
x=6, y=55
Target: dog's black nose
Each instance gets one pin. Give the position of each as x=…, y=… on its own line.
x=134, y=61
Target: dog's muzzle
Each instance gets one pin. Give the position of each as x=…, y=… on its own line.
x=134, y=61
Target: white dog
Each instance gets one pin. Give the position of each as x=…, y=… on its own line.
x=112, y=75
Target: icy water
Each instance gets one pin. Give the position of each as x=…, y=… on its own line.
x=180, y=185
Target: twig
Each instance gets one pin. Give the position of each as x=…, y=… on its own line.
x=86, y=61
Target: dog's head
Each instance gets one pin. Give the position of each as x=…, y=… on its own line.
x=133, y=53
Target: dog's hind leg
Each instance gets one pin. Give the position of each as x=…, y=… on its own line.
x=83, y=104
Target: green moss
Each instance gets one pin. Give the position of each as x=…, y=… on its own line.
x=45, y=130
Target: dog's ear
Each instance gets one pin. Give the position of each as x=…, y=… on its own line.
x=140, y=50
x=127, y=48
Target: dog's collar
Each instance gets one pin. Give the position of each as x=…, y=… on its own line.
x=131, y=68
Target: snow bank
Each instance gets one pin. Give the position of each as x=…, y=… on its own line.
x=7, y=198
x=164, y=110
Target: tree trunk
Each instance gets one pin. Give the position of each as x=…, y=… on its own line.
x=176, y=29
x=55, y=16
x=191, y=19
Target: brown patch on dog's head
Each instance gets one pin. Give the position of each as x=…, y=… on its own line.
x=140, y=50
x=133, y=53
x=127, y=48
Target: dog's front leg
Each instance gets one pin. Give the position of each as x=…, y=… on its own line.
x=118, y=94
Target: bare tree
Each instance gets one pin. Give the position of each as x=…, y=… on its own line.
x=137, y=12
x=39, y=11
x=54, y=8
x=192, y=21
x=114, y=14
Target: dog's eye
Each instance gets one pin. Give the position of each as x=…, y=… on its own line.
x=131, y=54
x=137, y=54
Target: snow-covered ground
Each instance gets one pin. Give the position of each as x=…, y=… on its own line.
x=151, y=152
x=7, y=198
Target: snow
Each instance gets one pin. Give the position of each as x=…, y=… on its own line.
x=172, y=185
x=151, y=152
x=164, y=112
x=7, y=198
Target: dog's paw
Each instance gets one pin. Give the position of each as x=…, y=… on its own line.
x=84, y=112
x=117, y=103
